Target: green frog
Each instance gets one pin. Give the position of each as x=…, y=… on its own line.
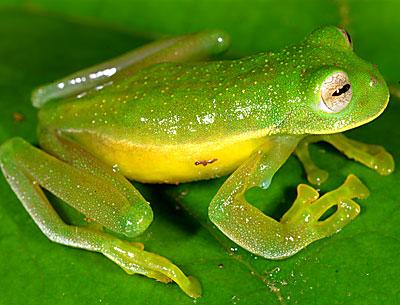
x=164, y=113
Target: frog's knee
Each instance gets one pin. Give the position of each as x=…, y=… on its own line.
x=137, y=219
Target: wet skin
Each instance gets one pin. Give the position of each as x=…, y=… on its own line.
x=162, y=114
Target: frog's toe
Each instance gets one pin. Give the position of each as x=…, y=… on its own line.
x=346, y=211
x=372, y=156
x=354, y=188
x=351, y=188
x=317, y=176
x=383, y=163
x=304, y=218
x=194, y=287
x=138, y=245
x=133, y=259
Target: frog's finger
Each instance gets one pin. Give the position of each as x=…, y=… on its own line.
x=309, y=209
x=305, y=196
x=192, y=47
x=300, y=226
x=346, y=211
x=27, y=169
x=315, y=175
x=373, y=156
x=351, y=188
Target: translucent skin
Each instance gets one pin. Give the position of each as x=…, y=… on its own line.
x=166, y=116
x=193, y=111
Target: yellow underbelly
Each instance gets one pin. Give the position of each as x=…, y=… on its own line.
x=173, y=163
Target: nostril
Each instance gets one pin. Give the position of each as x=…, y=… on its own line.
x=373, y=81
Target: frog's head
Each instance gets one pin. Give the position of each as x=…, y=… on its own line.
x=341, y=91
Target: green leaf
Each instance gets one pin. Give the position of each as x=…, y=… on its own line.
x=42, y=40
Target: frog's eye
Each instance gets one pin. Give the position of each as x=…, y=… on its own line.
x=336, y=92
x=347, y=37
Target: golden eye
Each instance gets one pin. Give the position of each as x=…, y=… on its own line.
x=336, y=92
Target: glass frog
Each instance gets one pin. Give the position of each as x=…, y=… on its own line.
x=164, y=114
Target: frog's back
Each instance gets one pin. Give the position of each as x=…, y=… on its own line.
x=203, y=118
x=178, y=122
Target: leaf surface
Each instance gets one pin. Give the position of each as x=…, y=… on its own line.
x=42, y=40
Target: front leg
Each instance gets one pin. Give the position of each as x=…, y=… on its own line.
x=372, y=156
x=300, y=226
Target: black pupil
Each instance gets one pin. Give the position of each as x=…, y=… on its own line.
x=342, y=90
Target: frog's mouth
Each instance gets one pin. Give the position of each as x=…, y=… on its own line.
x=372, y=117
x=341, y=126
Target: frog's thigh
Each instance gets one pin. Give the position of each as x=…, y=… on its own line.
x=97, y=197
x=373, y=156
x=122, y=208
x=300, y=226
x=192, y=47
x=27, y=169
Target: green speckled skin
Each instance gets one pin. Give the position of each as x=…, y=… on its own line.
x=274, y=92
x=168, y=116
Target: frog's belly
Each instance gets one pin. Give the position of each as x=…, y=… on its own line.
x=173, y=163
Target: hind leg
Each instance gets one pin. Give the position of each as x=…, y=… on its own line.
x=112, y=203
